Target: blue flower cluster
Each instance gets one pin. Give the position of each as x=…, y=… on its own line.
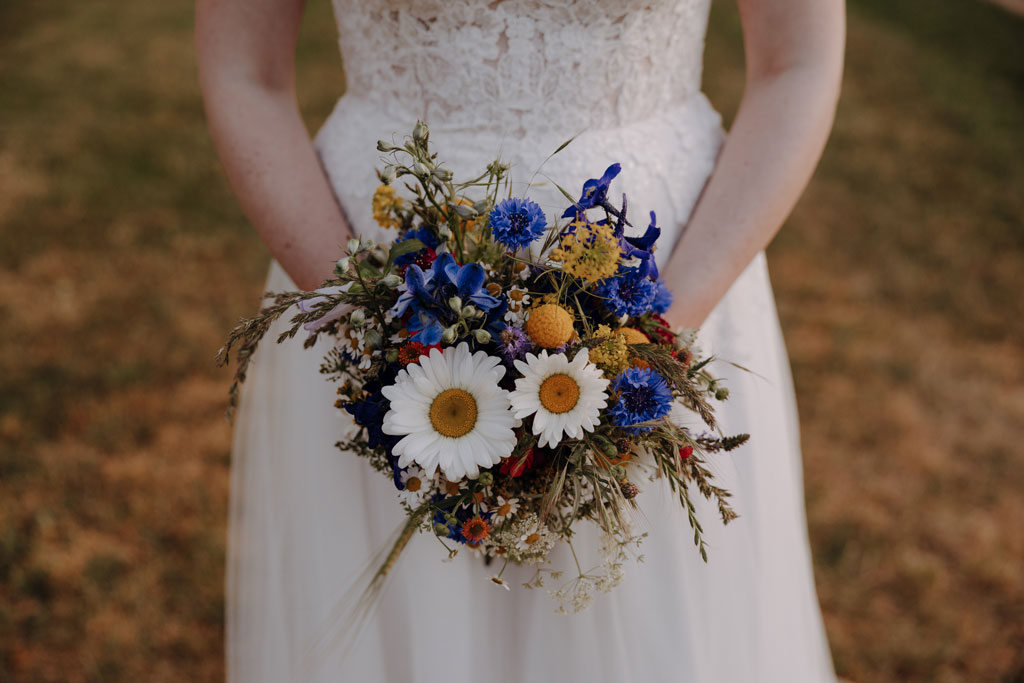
x=427, y=294
x=642, y=395
x=517, y=222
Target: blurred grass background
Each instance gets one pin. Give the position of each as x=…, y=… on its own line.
x=124, y=261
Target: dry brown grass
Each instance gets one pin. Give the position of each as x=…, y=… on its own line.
x=123, y=261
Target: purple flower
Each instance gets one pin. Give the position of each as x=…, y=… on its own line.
x=513, y=343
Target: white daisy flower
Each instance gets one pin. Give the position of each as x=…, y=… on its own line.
x=536, y=539
x=504, y=508
x=416, y=487
x=564, y=397
x=451, y=413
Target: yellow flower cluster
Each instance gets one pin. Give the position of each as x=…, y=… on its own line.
x=612, y=354
x=590, y=252
x=385, y=201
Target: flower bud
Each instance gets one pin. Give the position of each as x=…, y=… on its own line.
x=482, y=206
x=342, y=265
x=486, y=479
x=420, y=132
x=482, y=336
x=442, y=174
x=629, y=489
x=449, y=335
x=440, y=530
x=385, y=146
x=468, y=311
x=387, y=176
x=353, y=246
x=444, y=232
x=617, y=471
x=420, y=169
x=465, y=212
x=391, y=280
x=373, y=339
x=455, y=303
x=391, y=356
x=357, y=318
x=721, y=393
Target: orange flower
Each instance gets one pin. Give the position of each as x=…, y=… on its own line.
x=476, y=529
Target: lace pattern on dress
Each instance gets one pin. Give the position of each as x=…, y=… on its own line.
x=523, y=64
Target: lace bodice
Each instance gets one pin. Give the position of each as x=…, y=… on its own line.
x=516, y=78
x=521, y=65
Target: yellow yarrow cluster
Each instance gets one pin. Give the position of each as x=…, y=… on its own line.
x=549, y=326
x=612, y=354
x=385, y=201
x=590, y=252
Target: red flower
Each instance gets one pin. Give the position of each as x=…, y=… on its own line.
x=514, y=467
x=685, y=452
x=661, y=330
x=411, y=352
x=425, y=258
x=683, y=356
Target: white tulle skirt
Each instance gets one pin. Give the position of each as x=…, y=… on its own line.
x=306, y=519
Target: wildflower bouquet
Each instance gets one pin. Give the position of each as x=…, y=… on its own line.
x=513, y=377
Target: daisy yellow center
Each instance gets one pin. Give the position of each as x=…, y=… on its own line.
x=413, y=484
x=532, y=538
x=559, y=393
x=504, y=510
x=453, y=413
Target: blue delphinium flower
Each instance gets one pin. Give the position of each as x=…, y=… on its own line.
x=662, y=298
x=642, y=395
x=595, y=192
x=369, y=412
x=641, y=247
x=629, y=293
x=427, y=294
x=516, y=222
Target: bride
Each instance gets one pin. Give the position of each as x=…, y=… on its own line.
x=515, y=78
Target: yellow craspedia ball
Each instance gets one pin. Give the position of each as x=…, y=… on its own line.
x=549, y=325
x=633, y=336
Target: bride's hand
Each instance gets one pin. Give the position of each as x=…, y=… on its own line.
x=246, y=54
x=794, y=68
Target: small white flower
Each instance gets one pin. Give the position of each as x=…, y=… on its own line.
x=415, y=483
x=505, y=508
x=536, y=537
x=498, y=581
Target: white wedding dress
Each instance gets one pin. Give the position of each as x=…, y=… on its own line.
x=516, y=78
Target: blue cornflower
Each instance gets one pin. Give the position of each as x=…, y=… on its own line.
x=662, y=298
x=595, y=192
x=629, y=293
x=641, y=395
x=516, y=222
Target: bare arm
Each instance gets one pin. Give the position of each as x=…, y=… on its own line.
x=246, y=53
x=794, y=67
